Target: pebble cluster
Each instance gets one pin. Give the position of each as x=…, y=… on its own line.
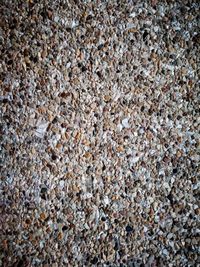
x=99, y=133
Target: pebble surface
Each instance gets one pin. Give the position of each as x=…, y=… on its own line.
x=99, y=133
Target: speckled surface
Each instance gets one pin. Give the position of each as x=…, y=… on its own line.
x=99, y=133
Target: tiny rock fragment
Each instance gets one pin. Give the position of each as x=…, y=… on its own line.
x=60, y=236
x=87, y=155
x=120, y=149
x=125, y=123
x=43, y=216
x=129, y=229
x=107, y=98
x=41, y=129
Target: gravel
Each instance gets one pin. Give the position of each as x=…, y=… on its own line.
x=99, y=133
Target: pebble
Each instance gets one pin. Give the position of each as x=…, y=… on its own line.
x=129, y=229
x=125, y=123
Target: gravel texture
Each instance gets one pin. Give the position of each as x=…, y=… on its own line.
x=99, y=133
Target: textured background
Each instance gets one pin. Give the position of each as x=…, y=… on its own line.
x=99, y=133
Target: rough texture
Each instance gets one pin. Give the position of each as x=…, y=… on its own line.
x=99, y=133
